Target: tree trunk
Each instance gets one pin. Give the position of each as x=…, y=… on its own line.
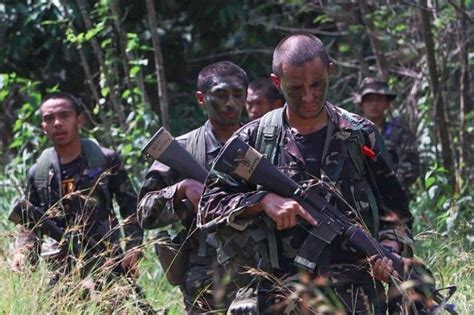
x=159, y=66
x=440, y=115
x=122, y=35
x=382, y=64
x=114, y=97
x=465, y=104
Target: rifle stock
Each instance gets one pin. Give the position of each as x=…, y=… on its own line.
x=239, y=159
x=165, y=149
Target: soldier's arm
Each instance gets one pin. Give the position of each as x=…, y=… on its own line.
x=395, y=217
x=27, y=242
x=409, y=164
x=126, y=198
x=161, y=198
x=228, y=200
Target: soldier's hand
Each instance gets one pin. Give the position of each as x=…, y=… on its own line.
x=383, y=269
x=18, y=262
x=190, y=189
x=284, y=211
x=130, y=262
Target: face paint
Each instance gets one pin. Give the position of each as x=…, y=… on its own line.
x=305, y=87
x=225, y=100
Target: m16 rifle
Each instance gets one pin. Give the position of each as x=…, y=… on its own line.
x=164, y=148
x=239, y=159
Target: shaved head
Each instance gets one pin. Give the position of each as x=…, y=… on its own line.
x=297, y=49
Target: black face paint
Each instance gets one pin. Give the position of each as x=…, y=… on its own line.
x=225, y=100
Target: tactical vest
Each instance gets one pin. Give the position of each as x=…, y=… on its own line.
x=196, y=145
x=47, y=168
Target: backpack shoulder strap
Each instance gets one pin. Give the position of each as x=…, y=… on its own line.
x=94, y=156
x=42, y=168
x=269, y=133
x=361, y=163
x=42, y=178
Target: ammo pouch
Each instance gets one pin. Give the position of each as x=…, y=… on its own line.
x=254, y=247
x=173, y=256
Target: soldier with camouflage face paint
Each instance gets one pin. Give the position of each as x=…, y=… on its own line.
x=310, y=137
x=222, y=90
x=374, y=99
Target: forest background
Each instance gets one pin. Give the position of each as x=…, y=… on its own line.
x=133, y=65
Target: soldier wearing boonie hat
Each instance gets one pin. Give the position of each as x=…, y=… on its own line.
x=374, y=98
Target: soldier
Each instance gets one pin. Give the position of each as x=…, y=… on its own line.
x=74, y=182
x=309, y=137
x=221, y=93
x=262, y=97
x=375, y=98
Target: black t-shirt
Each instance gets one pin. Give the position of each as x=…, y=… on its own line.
x=70, y=174
x=70, y=177
x=311, y=147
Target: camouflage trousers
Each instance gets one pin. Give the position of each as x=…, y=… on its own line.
x=345, y=289
x=207, y=289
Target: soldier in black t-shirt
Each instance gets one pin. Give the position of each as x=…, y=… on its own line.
x=74, y=183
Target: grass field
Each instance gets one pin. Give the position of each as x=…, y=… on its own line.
x=29, y=293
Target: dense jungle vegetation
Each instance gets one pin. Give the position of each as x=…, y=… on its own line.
x=133, y=65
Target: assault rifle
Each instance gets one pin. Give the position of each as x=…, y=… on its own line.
x=164, y=148
x=239, y=159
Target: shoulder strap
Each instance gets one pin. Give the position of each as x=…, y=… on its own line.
x=361, y=163
x=269, y=134
x=94, y=156
x=42, y=178
x=196, y=145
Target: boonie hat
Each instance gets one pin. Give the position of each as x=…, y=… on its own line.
x=375, y=86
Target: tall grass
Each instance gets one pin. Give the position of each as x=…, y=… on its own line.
x=448, y=255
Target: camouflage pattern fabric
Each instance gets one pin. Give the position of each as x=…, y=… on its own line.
x=368, y=185
x=401, y=144
x=157, y=209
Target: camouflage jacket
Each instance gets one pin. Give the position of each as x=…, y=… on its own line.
x=91, y=210
x=401, y=145
x=369, y=186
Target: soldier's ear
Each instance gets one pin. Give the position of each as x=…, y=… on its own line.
x=80, y=120
x=331, y=67
x=201, y=99
x=44, y=130
x=276, y=80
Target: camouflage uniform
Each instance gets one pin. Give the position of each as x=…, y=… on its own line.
x=89, y=213
x=157, y=209
x=400, y=141
x=401, y=145
x=384, y=208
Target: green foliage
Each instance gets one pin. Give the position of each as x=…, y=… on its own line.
x=40, y=53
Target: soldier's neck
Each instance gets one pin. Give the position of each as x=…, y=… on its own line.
x=379, y=122
x=68, y=153
x=305, y=126
x=223, y=132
